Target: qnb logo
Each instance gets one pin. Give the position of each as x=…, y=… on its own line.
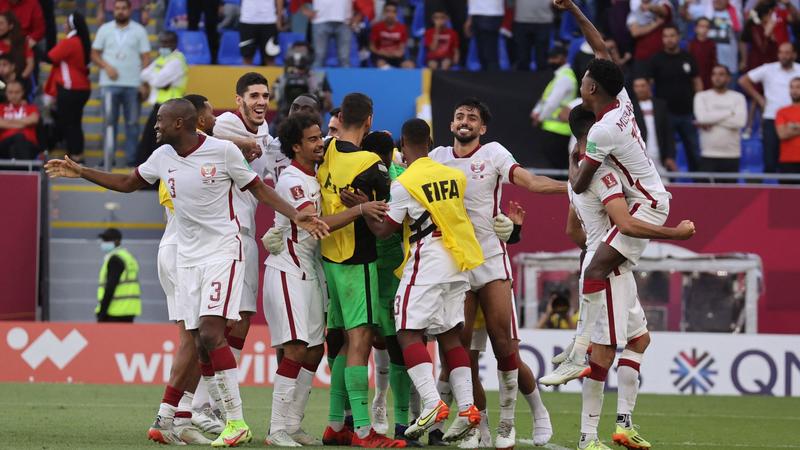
x=46, y=346
x=694, y=373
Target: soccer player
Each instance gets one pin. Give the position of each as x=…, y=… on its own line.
x=487, y=167
x=200, y=173
x=427, y=202
x=614, y=138
x=293, y=290
x=349, y=256
x=334, y=125
x=594, y=211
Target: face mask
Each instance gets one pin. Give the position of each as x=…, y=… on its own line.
x=164, y=51
x=106, y=246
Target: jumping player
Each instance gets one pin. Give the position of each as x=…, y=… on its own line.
x=200, y=173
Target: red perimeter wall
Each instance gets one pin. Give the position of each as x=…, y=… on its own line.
x=19, y=244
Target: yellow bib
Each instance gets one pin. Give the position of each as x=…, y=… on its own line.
x=336, y=173
x=164, y=198
x=440, y=190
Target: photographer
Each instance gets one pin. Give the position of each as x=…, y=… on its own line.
x=557, y=315
x=297, y=79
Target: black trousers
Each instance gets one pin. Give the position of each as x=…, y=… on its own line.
x=789, y=168
x=69, y=112
x=124, y=319
x=17, y=147
x=209, y=9
x=724, y=165
x=147, y=143
x=554, y=148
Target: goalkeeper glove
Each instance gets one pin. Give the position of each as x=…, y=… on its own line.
x=503, y=227
x=273, y=241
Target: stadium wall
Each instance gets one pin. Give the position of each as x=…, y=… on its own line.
x=677, y=363
x=19, y=241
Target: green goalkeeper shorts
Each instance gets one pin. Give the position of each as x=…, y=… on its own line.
x=353, y=294
x=387, y=290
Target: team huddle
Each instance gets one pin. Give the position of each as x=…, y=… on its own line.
x=376, y=250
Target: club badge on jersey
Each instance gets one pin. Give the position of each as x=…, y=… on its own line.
x=477, y=167
x=208, y=171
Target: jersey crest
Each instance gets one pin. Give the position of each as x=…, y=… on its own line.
x=610, y=180
x=297, y=192
x=207, y=171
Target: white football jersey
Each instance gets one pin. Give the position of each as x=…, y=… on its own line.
x=589, y=206
x=616, y=136
x=486, y=168
x=302, y=255
x=201, y=185
x=430, y=261
x=170, y=236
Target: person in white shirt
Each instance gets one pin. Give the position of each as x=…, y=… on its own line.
x=775, y=78
x=720, y=113
x=200, y=172
x=259, y=23
x=332, y=19
x=484, y=21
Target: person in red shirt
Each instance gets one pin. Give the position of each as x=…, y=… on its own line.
x=387, y=40
x=69, y=83
x=29, y=14
x=704, y=51
x=784, y=16
x=12, y=42
x=441, y=43
x=18, y=125
x=787, y=124
x=646, y=25
x=760, y=33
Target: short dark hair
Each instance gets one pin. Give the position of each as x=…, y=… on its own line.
x=416, y=132
x=127, y=2
x=728, y=71
x=197, y=100
x=336, y=111
x=249, y=79
x=291, y=131
x=7, y=57
x=706, y=19
x=607, y=75
x=671, y=26
x=169, y=34
x=356, y=109
x=379, y=142
x=474, y=102
x=580, y=121
x=390, y=3
x=312, y=97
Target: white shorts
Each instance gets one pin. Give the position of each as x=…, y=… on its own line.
x=293, y=308
x=632, y=248
x=622, y=318
x=250, y=290
x=495, y=267
x=436, y=308
x=168, y=276
x=213, y=289
x=481, y=335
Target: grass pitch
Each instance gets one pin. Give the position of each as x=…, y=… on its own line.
x=50, y=416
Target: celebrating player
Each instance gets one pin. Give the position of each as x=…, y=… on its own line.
x=486, y=167
x=200, y=173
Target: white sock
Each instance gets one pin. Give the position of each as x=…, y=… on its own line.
x=628, y=381
x=283, y=394
x=537, y=407
x=201, y=397
x=213, y=392
x=461, y=384
x=228, y=386
x=592, y=406
x=508, y=393
x=166, y=411
x=297, y=408
x=591, y=307
x=422, y=377
x=381, y=375
x=446, y=394
x=185, y=405
x=483, y=427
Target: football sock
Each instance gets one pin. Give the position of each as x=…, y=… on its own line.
x=401, y=387
x=628, y=382
x=227, y=378
x=460, y=377
x=338, y=393
x=420, y=370
x=302, y=392
x=483, y=427
x=169, y=403
x=283, y=393
x=185, y=406
x=210, y=381
x=538, y=409
x=236, y=344
x=381, y=356
x=508, y=374
x=592, y=301
x=201, y=397
x=356, y=380
x=592, y=404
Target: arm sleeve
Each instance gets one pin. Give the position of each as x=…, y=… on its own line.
x=293, y=190
x=113, y=274
x=100, y=39
x=706, y=115
x=504, y=163
x=229, y=129
x=144, y=41
x=516, y=235
x=599, y=144
x=780, y=117
x=398, y=206
x=757, y=75
x=238, y=169
x=171, y=73
x=560, y=90
x=739, y=117
x=148, y=170
x=606, y=185
x=59, y=52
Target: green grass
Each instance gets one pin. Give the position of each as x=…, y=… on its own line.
x=49, y=416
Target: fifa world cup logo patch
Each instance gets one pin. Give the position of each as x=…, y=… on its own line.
x=297, y=192
x=207, y=171
x=610, y=180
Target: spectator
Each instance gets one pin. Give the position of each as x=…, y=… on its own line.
x=299, y=13
x=441, y=44
x=759, y=34
x=231, y=9
x=164, y=79
x=720, y=114
x=585, y=55
x=8, y=73
x=457, y=12
x=259, y=23
x=209, y=10
x=703, y=50
x=558, y=93
x=787, y=126
x=387, y=40
x=784, y=15
x=18, y=125
x=331, y=19
x=646, y=24
x=557, y=315
x=69, y=83
x=726, y=26
x=618, y=30
x=29, y=17
x=105, y=11
x=676, y=80
x=13, y=43
x=775, y=78
x=485, y=18
x=652, y=118
x=121, y=49
x=298, y=78
x=533, y=26
x=118, y=290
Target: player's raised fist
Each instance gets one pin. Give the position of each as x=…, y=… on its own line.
x=311, y=223
x=65, y=168
x=563, y=4
x=685, y=229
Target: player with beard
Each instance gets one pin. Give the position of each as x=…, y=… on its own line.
x=487, y=167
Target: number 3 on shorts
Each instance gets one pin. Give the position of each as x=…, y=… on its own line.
x=216, y=295
x=396, y=305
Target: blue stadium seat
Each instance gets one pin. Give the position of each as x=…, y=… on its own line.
x=417, y=28
x=502, y=52
x=574, y=48
x=176, y=16
x=229, y=54
x=474, y=63
x=285, y=40
x=194, y=46
x=331, y=56
x=421, y=53
x=752, y=160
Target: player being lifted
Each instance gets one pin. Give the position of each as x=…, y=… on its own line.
x=427, y=200
x=293, y=290
x=200, y=173
x=487, y=167
x=615, y=140
x=621, y=321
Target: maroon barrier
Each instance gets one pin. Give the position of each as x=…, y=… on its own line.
x=19, y=241
x=760, y=220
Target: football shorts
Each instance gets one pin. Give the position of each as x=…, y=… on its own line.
x=213, y=289
x=293, y=308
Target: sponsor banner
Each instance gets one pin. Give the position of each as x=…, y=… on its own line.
x=682, y=363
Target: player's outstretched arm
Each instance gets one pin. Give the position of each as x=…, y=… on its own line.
x=575, y=230
x=538, y=183
x=305, y=220
x=67, y=168
x=382, y=228
x=628, y=225
x=370, y=211
x=593, y=37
